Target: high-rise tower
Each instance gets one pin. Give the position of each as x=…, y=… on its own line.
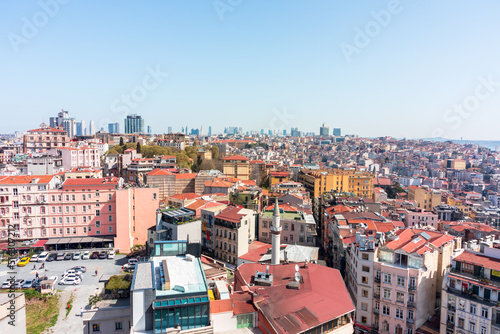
x=276, y=235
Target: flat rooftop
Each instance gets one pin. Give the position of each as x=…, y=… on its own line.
x=185, y=276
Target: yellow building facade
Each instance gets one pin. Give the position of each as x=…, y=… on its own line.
x=318, y=182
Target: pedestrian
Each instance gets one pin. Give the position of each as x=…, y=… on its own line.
x=96, y=272
x=34, y=267
x=36, y=275
x=81, y=311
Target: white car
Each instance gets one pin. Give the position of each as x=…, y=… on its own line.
x=77, y=255
x=70, y=281
x=6, y=284
x=34, y=258
x=53, y=278
x=111, y=254
x=86, y=255
x=42, y=257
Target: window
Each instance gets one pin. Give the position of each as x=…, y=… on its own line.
x=472, y=326
x=484, y=312
x=292, y=227
x=385, y=326
x=110, y=197
x=401, y=281
x=413, y=282
x=264, y=234
x=467, y=268
x=67, y=209
x=364, y=279
x=110, y=229
x=411, y=298
x=66, y=197
x=366, y=269
x=264, y=224
x=53, y=209
x=461, y=322
x=73, y=209
x=461, y=305
x=365, y=256
x=400, y=297
x=118, y=326
x=364, y=320
x=483, y=330
x=386, y=310
x=364, y=306
x=97, y=213
x=285, y=226
x=97, y=224
x=472, y=308
x=83, y=197
x=410, y=314
x=364, y=293
x=387, y=278
x=387, y=294
x=73, y=198
x=74, y=230
x=110, y=219
x=67, y=230
x=110, y=208
x=96, y=328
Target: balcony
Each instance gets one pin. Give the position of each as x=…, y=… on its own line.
x=410, y=321
x=470, y=296
x=376, y=295
x=451, y=308
x=375, y=311
x=412, y=287
x=450, y=325
x=377, y=279
x=410, y=304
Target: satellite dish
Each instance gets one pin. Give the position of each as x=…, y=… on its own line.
x=296, y=268
x=297, y=277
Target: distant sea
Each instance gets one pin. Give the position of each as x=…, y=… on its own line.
x=491, y=144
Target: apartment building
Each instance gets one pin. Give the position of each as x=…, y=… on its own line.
x=426, y=198
x=420, y=218
x=234, y=231
x=207, y=219
x=64, y=213
x=471, y=292
x=44, y=138
x=298, y=226
x=236, y=166
x=408, y=271
x=337, y=180
x=77, y=157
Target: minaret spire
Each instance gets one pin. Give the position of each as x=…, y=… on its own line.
x=276, y=235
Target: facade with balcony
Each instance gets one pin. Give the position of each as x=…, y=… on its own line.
x=471, y=293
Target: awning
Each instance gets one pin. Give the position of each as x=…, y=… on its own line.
x=53, y=241
x=76, y=240
x=366, y=328
x=39, y=243
x=86, y=239
x=64, y=241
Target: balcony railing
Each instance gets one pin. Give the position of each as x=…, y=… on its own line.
x=410, y=304
x=376, y=311
x=451, y=308
x=412, y=287
x=376, y=295
x=377, y=279
x=470, y=296
x=410, y=321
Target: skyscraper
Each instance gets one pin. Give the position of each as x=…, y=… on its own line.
x=69, y=125
x=209, y=130
x=150, y=130
x=81, y=129
x=324, y=130
x=337, y=132
x=134, y=124
x=91, y=128
x=169, y=129
x=114, y=128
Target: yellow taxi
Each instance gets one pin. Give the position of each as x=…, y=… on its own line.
x=24, y=261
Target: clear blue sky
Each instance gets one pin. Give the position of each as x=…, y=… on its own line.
x=263, y=59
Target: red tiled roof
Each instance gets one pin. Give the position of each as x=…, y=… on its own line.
x=25, y=179
x=185, y=176
x=221, y=306
x=231, y=214
x=91, y=182
x=236, y=157
x=47, y=129
x=479, y=260
x=158, y=171
x=185, y=196
x=242, y=303
x=293, y=311
x=218, y=184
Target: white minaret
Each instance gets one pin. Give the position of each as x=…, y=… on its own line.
x=276, y=233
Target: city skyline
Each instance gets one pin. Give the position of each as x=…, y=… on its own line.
x=372, y=69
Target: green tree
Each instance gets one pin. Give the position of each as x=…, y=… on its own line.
x=215, y=152
x=121, y=141
x=138, y=148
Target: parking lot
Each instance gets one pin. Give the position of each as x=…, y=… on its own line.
x=57, y=268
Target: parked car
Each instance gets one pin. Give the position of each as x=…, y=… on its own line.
x=6, y=284
x=132, y=261
x=34, y=258
x=80, y=268
x=53, y=278
x=43, y=256
x=128, y=267
x=77, y=255
x=19, y=283
x=51, y=257
x=70, y=281
x=68, y=256
x=111, y=254
x=103, y=255
x=24, y=261
x=60, y=256
x=86, y=255
x=28, y=284
x=95, y=255
x=13, y=262
x=37, y=284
